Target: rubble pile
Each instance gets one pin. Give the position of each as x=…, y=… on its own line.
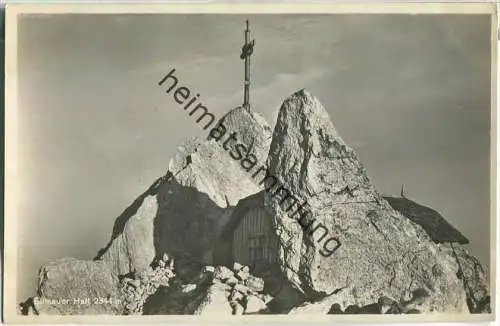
x=244, y=291
x=214, y=290
x=136, y=289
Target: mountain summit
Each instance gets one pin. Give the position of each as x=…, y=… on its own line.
x=208, y=238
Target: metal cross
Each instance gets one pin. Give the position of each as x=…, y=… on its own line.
x=246, y=52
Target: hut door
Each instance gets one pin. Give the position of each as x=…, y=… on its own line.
x=254, y=242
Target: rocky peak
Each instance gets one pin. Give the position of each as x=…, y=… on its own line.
x=207, y=166
x=322, y=157
x=345, y=242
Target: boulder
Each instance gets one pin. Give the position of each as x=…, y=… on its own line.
x=242, y=289
x=209, y=269
x=254, y=305
x=188, y=288
x=232, y=280
x=236, y=267
x=255, y=283
x=266, y=298
x=327, y=213
x=236, y=296
x=223, y=273
x=213, y=303
x=242, y=275
x=69, y=286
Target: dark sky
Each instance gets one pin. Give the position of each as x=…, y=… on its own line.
x=410, y=93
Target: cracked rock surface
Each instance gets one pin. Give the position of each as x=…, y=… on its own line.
x=381, y=253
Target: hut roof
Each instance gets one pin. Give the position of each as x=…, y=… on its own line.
x=431, y=221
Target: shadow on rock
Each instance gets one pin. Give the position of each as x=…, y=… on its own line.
x=131, y=210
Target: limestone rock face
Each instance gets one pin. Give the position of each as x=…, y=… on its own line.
x=346, y=241
x=69, y=286
x=185, y=209
x=206, y=185
x=132, y=247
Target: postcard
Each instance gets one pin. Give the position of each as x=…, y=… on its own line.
x=250, y=163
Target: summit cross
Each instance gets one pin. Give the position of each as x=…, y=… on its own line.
x=246, y=52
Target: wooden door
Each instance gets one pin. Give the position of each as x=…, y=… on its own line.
x=254, y=241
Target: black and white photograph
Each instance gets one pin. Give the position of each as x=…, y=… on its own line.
x=215, y=163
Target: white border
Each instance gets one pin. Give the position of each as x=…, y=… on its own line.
x=11, y=163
